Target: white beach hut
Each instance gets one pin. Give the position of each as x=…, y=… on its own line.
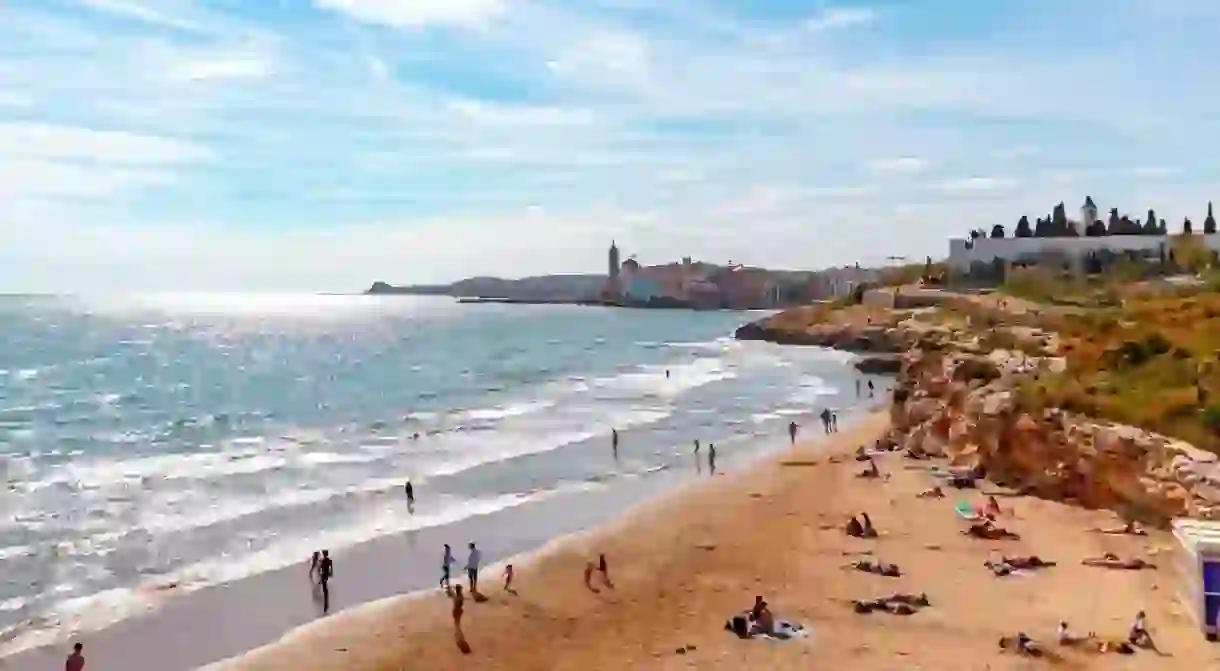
x=1197, y=560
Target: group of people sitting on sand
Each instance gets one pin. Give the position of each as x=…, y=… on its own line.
x=760, y=621
x=1137, y=638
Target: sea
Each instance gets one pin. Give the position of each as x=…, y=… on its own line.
x=181, y=441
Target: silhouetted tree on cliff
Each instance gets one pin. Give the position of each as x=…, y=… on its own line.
x=1023, y=229
x=1150, y=225
x=997, y=231
x=1114, y=227
x=1097, y=229
x=1209, y=224
x=1187, y=227
x=1163, y=229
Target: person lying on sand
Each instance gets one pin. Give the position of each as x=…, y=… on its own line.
x=861, y=454
x=932, y=493
x=988, y=531
x=1131, y=528
x=878, y=568
x=895, y=604
x=1112, y=561
x=1007, y=565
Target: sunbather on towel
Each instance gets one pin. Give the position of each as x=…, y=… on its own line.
x=1112, y=561
x=933, y=493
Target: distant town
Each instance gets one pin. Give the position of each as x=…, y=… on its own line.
x=684, y=283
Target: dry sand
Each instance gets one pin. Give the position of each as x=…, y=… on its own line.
x=683, y=565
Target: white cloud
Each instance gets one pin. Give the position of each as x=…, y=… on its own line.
x=419, y=13
x=54, y=180
x=47, y=141
x=520, y=115
x=1155, y=171
x=975, y=185
x=902, y=165
x=13, y=99
x=139, y=11
x=222, y=66
x=840, y=17
x=606, y=53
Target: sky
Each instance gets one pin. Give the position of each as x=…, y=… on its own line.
x=319, y=145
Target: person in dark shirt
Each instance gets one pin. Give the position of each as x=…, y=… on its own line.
x=326, y=571
x=76, y=661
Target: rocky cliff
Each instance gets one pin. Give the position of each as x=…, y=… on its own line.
x=967, y=406
x=959, y=394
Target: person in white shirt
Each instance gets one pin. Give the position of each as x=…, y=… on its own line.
x=472, y=568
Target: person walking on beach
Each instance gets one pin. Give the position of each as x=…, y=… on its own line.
x=326, y=570
x=410, y=491
x=459, y=602
x=870, y=388
x=508, y=579
x=446, y=563
x=792, y=428
x=313, y=566
x=857, y=387
x=614, y=442
x=76, y=661
x=472, y=569
x=604, y=569
x=834, y=422
x=711, y=457
x=825, y=420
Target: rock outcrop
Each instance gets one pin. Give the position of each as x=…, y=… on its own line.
x=967, y=407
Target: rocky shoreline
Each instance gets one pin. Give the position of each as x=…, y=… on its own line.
x=959, y=396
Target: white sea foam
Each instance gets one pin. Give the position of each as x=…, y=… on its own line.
x=509, y=410
x=94, y=611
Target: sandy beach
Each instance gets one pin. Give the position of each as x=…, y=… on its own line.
x=684, y=564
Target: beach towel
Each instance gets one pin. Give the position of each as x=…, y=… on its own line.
x=786, y=631
x=967, y=512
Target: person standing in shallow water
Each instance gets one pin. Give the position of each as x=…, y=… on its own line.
x=825, y=415
x=711, y=457
x=472, y=570
x=446, y=564
x=792, y=428
x=614, y=442
x=410, y=491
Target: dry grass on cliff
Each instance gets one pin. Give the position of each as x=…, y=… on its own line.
x=1151, y=363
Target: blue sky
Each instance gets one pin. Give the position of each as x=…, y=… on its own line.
x=280, y=145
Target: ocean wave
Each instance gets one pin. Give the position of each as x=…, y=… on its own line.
x=508, y=410
x=104, y=608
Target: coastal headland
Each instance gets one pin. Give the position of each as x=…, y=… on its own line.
x=1066, y=484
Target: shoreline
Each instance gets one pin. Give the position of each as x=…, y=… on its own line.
x=384, y=569
x=863, y=422
x=687, y=560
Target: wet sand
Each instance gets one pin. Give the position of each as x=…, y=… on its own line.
x=685, y=563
